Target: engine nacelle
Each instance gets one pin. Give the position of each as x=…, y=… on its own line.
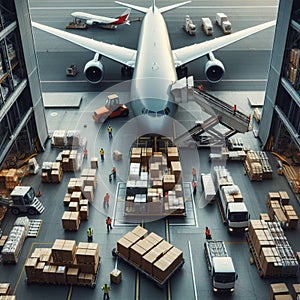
x=90, y=22
x=214, y=70
x=94, y=71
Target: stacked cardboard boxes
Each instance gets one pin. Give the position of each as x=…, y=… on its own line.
x=89, y=177
x=52, y=172
x=172, y=154
x=71, y=220
x=271, y=249
x=293, y=65
x=265, y=164
x=253, y=166
x=10, y=178
x=12, y=297
x=13, y=246
x=150, y=253
x=74, y=138
x=59, y=138
x=66, y=264
x=281, y=211
x=135, y=156
x=280, y=291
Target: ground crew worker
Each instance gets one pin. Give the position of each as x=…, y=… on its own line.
x=109, y=130
x=85, y=153
x=102, y=154
x=195, y=187
x=90, y=234
x=108, y=224
x=194, y=174
x=105, y=289
x=207, y=233
x=234, y=109
x=200, y=87
x=113, y=173
x=106, y=200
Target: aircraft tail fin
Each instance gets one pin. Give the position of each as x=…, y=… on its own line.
x=124, y=17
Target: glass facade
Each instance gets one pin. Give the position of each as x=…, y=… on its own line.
x=18, y=129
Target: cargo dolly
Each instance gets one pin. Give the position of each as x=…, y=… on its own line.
x=156, y=280
x=255, y=256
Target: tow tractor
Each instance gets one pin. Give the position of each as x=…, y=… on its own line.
x=22, y=200
x=112, y=109
x=72, y=70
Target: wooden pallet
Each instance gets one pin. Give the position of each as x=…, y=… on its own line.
x=34, y=227
x=255, y=256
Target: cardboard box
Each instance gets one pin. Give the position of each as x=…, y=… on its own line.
x=123, y=246
x=115, y=276
x=72, y=275
x=140, y=231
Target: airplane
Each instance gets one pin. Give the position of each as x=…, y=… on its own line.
x=154, y=63
x=91, y=19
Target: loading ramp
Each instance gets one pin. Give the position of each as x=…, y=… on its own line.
x=205, y=133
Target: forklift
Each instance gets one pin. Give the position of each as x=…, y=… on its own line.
x=22, y=199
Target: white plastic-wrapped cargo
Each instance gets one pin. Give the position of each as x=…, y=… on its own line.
x=12, y=248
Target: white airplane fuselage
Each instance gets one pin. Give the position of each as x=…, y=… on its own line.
x=154, y=70
x=95, y=18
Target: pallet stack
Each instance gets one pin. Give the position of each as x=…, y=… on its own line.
x=7, y=297
x=280, y=291
x=281, y=211
x=13, y=246
x=10, y=178
x=150, y=252
x=65, y=263
x=265, y=164
x=272, y=253
x=293, y=177
x=74, y=138
x=293, y=65
x=59, y=138
x=52, y=172
x=253, y=166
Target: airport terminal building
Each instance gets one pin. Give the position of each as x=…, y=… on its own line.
x=23, y=128
x=280, y=124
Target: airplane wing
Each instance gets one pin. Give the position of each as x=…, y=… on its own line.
x=135, y=7
x=122, y=55
x=189, y=53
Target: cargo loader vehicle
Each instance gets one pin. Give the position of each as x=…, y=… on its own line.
x=189, y=26
x=220, y=266
x=112, y=109
x=233, y=210
x=223, y=22
x=22, y=200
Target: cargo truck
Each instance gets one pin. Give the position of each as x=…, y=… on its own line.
x=234, y=211
x=207, y=26
x=220, y=266
x=189, y=26
x=223, y=22
x=22, y=200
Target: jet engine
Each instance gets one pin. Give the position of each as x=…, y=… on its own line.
x=94, y=70
x=90, y=22
x=214, y=69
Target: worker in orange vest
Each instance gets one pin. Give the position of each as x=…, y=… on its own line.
x=106, y=200
x=200, y=87
x=195, y=187
x=85, y=153
x=194, y=174
x=234, y=109
x=113, y=174
x=207, y=233
x=108, y=222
